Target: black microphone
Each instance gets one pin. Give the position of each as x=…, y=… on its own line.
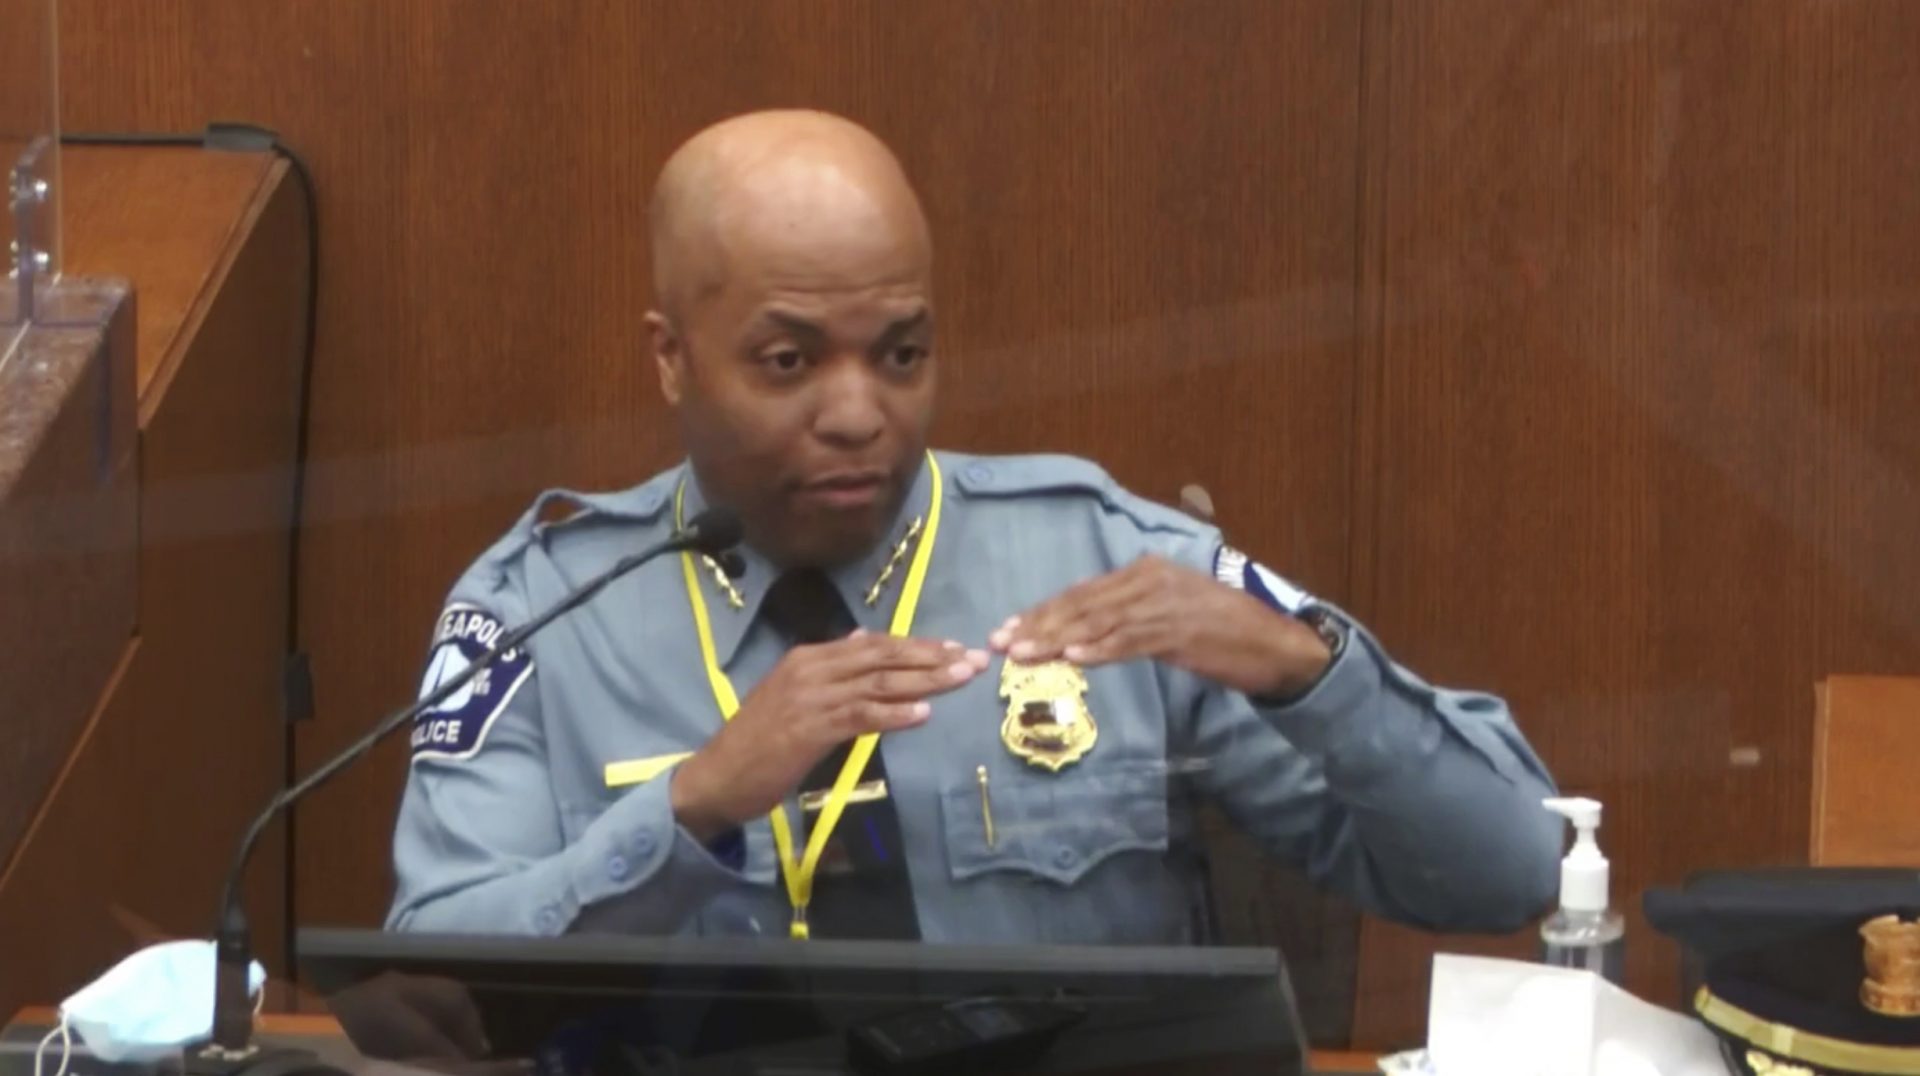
x=231, y=1049
x=714, y=532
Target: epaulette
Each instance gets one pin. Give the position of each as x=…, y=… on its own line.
x=558, y=509
x=1060, y=475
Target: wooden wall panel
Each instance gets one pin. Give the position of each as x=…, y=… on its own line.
x=1144, y=213
x=1865, y=808
x=1646, y=455
x=68, y=528
x=26, y=108
x=177, y=234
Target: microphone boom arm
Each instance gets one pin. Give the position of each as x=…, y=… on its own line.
x=712, y=532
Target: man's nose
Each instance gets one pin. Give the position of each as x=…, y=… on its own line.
x=850, y=414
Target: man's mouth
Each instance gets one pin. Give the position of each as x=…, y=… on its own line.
x=846, y=489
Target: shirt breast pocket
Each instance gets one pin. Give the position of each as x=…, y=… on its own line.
x=1054, y=827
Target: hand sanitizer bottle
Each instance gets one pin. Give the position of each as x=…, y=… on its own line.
x=1584, y=932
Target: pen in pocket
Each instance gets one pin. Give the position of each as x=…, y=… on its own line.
x=986, y=805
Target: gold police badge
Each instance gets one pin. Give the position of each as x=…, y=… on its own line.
x=1047, y=721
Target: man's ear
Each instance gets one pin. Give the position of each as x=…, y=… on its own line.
x=669, y=356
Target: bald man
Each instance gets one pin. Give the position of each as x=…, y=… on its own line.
x=953, y=698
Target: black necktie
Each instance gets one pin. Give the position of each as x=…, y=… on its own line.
x=862, y=889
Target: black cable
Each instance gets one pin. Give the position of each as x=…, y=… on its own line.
x=297, y=691
x=297, y=679
x=93, y=138
x=296, y=675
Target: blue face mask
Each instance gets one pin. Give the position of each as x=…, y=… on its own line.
x=147, y=1007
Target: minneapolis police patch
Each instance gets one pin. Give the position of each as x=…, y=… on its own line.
x=1233, y=568
x=456, y=728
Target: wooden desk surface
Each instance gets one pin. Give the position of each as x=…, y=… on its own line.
x=1330, y=1062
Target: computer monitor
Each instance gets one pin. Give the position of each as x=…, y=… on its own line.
x=596, y=1005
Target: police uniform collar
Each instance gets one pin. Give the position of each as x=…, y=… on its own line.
x=854, y=579
x=880, y=574
x=729, y=622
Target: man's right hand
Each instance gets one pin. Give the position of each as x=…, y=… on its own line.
x=815, y=699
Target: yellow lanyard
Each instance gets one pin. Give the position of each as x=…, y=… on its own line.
x=798, y=873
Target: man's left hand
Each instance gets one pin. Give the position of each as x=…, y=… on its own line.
x=1156, y=609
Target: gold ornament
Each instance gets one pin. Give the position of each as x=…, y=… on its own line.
x=1762, y=1065
x=1892, y=958
x=1047, y=723
x=894, y=558
x=725, y=582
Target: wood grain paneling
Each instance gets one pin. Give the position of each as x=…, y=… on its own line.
x=134, y=838
x=27, y=106
x=170, y=213
x=68, y=526
x=1143, y=211
x=1644, y=429
x=1865, y=809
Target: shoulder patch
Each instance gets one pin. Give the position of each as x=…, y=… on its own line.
x=1235, y=569
x=455, y=730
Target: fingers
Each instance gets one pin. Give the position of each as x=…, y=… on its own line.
x=885, y=688
x=862, y=652
x=1079, y=618
x=898, y=668
x=912, y=685
x=1046, y=624
x=876, y=683
x=871, y=715
x=1136, y=638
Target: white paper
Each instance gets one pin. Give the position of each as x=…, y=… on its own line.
x=1491, y=1017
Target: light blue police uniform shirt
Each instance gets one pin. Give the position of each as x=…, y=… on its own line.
x=1421, y=804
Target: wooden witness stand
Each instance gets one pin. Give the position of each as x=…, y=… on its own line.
x=185, y=637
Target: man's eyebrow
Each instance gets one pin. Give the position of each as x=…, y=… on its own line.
x=902, y=326
x=793, y=323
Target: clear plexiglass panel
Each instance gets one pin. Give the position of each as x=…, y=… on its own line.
x=29, y=160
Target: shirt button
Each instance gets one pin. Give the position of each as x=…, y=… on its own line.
x=548, y=920
x=979, y=474
x=643, y=844
x=617, y=867
x=1064, y=858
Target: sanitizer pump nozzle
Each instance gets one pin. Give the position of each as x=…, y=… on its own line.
x=1584, y=932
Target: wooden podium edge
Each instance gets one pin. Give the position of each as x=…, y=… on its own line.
x=153, y=390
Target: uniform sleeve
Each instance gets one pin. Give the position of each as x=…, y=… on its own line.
x=479, y=847
x=1421, y=804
